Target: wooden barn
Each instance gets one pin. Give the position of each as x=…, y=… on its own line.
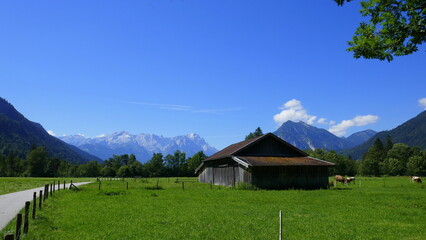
x=267, y=162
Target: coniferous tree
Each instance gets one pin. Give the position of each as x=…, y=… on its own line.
x=388, y=143
x=258, y=132
x=371, y=163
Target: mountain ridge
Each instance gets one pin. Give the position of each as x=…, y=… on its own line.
x=305, y=136
x=142, y=145
x=411, y=132
x=19, y=135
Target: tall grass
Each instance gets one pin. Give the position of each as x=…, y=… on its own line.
x=373, y=208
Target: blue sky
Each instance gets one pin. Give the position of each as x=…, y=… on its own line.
x=216, y=68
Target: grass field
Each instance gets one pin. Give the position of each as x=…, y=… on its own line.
x=373, y=208
x=9, y=184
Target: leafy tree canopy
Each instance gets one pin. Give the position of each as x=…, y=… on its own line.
x=395, y=28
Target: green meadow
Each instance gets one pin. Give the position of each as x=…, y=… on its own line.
x=372, y=208
x=12, y=184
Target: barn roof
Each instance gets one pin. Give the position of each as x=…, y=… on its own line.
x=233, y=149
x=284, y=161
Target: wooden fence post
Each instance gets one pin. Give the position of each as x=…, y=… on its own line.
x=46, y=192
x=26, y=213
x=9, y=237
x=51, y=193
x=127, y=185
x=18, y=226
x=54, y=185
x=281, y=225
x=99, y=185
x=59, y=185
x=64, y=184
x=34, y=204
x=40, y=200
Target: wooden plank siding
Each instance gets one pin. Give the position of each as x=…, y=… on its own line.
x=285, y=177
x=225, y=172
x=269, y=147
x=229, y=173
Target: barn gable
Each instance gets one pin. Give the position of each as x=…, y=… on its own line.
x=270, y=145
x=265, y=145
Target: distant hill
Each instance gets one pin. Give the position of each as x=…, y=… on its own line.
x=18, y=134
x=142, y=145
x=305, y=136
x=412, y=133
x=360, y=137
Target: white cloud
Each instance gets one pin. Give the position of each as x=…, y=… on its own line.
x=340, y=129
x=322, y=121
x=165, y=106
x=294, y=111
x=175, y=107
x=422, y=103
x=50, y=132
x=101, y=135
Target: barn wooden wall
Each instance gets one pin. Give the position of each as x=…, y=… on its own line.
x=283, y=177
x=225, y=172
x=228, y=173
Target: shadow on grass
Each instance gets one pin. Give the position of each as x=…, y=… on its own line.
x=337, y=188
x=154, y=188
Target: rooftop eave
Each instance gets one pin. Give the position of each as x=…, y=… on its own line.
x=241, y=162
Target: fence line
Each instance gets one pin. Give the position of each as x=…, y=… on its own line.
x=43, y=196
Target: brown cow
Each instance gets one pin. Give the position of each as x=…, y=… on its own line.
x=341, y=179
x=416, y=179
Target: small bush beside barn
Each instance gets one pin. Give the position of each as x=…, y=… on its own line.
x=267, y=162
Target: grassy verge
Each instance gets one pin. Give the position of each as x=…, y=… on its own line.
x=8, y=185
x=373, y=208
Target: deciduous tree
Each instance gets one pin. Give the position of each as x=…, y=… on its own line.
x=395, y=28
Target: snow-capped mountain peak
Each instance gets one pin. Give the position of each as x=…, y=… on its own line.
x=142, y=145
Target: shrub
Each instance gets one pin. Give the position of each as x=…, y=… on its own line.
x=245, y=186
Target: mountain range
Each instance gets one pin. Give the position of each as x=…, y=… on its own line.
x=305, y=136
x=411, y=132
x=19, y=135
x=142, y=145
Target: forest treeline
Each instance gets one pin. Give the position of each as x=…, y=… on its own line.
x=381, y=159
x=38, y=164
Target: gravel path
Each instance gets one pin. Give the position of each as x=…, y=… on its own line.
x=12, y=203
